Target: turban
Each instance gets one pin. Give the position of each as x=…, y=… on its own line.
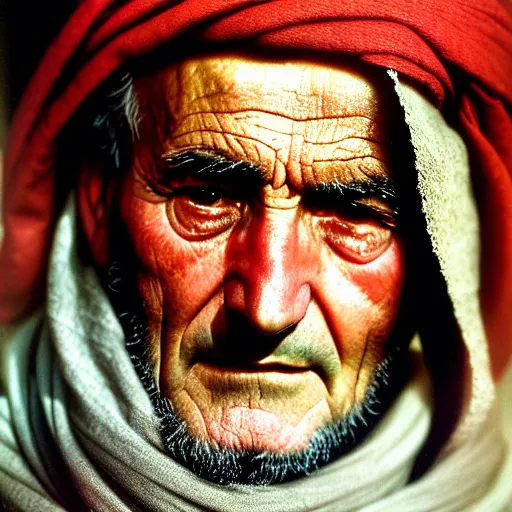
x=458, y=53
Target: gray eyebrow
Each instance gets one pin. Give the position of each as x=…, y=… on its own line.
x=382, y=188
x=339, y=196
x=213, y=165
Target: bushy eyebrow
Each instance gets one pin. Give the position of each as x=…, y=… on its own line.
x=383, y=199
x=213, y=165
x=353, y=191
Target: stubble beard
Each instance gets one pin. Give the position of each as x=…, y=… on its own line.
x=227, y=466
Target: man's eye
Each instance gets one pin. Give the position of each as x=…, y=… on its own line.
x=200, y=212
x=357, y=231
x=207, y=196
x=354, y=212
x=358, y=241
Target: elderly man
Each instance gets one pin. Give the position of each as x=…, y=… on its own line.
x=254, y=236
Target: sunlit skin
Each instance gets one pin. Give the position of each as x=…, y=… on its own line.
x=318, y=287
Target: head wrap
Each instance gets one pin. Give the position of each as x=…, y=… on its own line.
x=457, y=52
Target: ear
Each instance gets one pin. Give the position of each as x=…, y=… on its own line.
x=94, y=198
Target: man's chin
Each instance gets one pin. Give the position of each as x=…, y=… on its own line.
x=229, y=465
x=246, y=429
x=264, y=449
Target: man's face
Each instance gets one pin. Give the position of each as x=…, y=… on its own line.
x=261, y=210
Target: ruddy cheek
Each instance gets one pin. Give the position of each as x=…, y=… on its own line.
x=148, y=227
x=382, y=279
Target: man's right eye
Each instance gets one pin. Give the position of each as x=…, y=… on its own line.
x=207, y=196
x=200, y=212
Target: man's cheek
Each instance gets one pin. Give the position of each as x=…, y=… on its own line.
x=364, y=296
x=382, y=280
x=150, y=288
x=186, y=273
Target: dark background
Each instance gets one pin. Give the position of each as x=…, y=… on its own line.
x=27, y=28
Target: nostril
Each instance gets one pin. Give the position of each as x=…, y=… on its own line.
x=244, y=342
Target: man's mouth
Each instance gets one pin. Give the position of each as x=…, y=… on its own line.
x=255, y=407
x=273, y=381
x=268, y=365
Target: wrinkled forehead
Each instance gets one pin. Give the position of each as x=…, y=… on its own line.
x=308, y=87
x=300, y=88
x=288, y=117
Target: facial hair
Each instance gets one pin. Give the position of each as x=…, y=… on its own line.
x=227, y=466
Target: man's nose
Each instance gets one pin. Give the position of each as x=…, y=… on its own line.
x=270, y=269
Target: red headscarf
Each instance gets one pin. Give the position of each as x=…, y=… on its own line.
x=457, y=50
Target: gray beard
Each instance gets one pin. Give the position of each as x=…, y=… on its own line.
x=227, y=466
